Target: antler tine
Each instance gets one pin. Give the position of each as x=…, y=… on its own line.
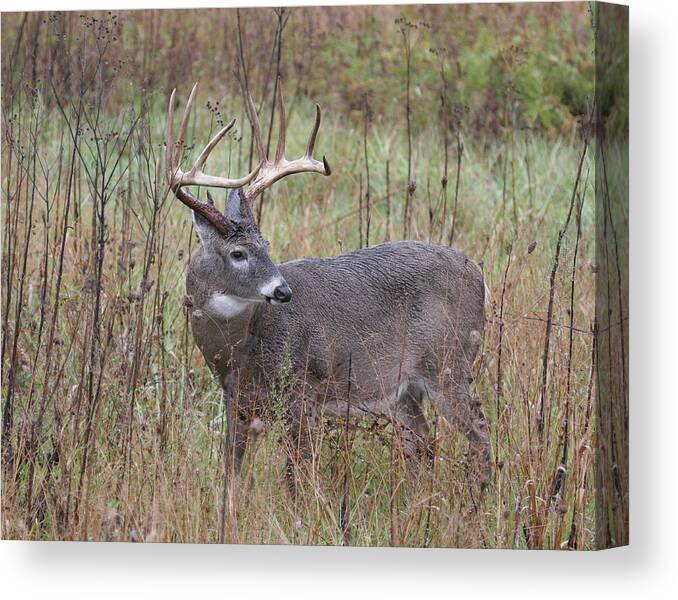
x=314, y=132
x=280, y=149
x=312, y=138
x=256, y=129
x=184, y=125
x=208, y=149
x=169, y=152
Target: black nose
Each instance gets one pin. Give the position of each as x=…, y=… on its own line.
x=282, y=293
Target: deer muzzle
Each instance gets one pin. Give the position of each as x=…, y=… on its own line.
x=277, y=291
x=281, y=294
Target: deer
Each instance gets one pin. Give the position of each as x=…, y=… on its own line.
x=369, y=333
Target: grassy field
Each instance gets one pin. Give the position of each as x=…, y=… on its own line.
x=113, y=427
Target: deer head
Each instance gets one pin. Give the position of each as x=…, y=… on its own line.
x=234, y=268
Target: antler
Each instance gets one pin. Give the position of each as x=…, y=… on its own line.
x=177, y=178
x=271, y=171
x=262, y=176
x=195, y=176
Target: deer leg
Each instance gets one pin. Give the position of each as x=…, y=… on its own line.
x=461, y=407
x=236, y=446
x=234, y=450
x=471, y=420
x=414, y=431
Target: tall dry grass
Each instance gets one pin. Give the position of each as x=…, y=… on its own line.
x=113, y=428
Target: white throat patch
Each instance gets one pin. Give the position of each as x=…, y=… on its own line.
x=227, y=306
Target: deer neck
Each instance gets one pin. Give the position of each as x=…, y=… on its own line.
x=225, y=329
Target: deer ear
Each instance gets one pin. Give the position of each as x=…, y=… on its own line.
x=205, y=230
x=233, y=205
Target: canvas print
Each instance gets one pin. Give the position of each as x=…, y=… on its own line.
x=346, y=275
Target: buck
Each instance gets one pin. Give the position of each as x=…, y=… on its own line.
x=369, y=333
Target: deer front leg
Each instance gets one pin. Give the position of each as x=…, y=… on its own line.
x=236, y=436
x=234, y=450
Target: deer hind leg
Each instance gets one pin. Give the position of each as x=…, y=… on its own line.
x=237, y=446
x=234, y=450
x=413, y=428
x=460, y=406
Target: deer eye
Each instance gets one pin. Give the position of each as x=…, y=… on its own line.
x=238, y=255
